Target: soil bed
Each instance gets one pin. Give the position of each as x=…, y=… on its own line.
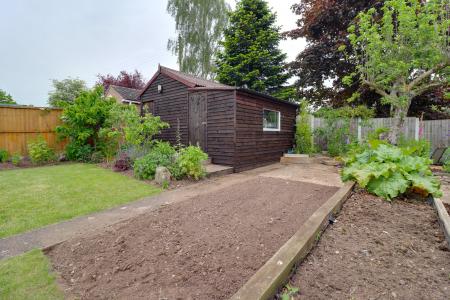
x=206, y=247
x=378, y=250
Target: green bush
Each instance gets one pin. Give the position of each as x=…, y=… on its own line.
x=40, y=152
x=446, y=160
x=4, y=155
x=303, y=133
x=16, y=159
x=420, y=148
x=78, y=152
x=190, y=162
x=161, y=154
x=389, y=171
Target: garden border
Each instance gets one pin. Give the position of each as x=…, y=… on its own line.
x=443, y=216
x=266, y=282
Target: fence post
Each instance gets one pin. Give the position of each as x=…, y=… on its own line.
x=416, y=129
x=359, y=130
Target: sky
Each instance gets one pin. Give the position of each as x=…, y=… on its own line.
x=41, y=40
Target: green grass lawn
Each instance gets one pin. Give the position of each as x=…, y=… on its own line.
x=28, y=276
x=35, y=197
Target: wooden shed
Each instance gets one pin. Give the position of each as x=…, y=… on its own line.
x=237, y=127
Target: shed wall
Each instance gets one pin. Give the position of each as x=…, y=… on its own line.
x=171, y=105
x=253, y=145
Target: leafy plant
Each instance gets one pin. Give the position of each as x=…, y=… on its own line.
x=40, y=152
x=140, y=131
x=337, y=132
x=289, y=292
x=97, y=157
x=446, y=160
x=82, y=121
x=303, y=133
x=412, y=147
x=390, y=171
x=122, y=163
x=162, y=154
x=16, y=159
x=78, y=152
x=190, y=161
x=4, y=155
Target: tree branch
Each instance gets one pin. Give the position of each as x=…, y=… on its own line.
x=376, y=88
x=426, y=75
x=427, y=87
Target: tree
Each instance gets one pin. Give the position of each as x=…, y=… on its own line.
x=6, y=98
x=65, y=91
x=129, y=80
x=402, y=54
x=320, y=67
x=251, y=56
x=200, y=25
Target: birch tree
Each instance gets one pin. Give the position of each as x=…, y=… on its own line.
x=403, y=53
x=199, y=25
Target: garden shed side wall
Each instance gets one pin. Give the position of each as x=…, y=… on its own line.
x=171, y=105
x=254, y=146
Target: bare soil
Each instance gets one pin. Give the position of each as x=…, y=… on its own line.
x=378, y=250
x=206, y=247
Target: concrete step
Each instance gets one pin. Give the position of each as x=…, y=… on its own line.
x=213, y=170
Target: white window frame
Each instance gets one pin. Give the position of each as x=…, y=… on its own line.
x=279, y=121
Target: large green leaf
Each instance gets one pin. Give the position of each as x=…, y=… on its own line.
x=425, y=184
x=390, y=187
x=387, y=153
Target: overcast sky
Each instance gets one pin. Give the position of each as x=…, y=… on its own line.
x=41, y=40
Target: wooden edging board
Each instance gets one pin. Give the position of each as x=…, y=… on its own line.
x=265, y=283
x=444, y=218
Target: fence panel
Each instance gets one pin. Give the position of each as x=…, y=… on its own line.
x=20, y=124
x=437, y=131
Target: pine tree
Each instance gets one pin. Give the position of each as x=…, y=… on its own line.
x=251, y=56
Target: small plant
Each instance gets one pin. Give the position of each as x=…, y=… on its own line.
x=97, y=157
x=165, y=185
x=303, y=133
x=390, y=171
x=16, y=159
x=4, y=155
x=289, y=292
x=122, y=163
x=446, y=160
x=78, y=152
x=162, y=154
x=40, y=152
x=190, y=162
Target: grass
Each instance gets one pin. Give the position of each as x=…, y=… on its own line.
x=35, y=197
x=28, y=276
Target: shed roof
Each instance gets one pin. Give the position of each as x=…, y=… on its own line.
x=194, y=82
x=126, y=93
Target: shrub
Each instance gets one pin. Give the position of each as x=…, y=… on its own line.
x=190, y=162
x=420, y=148
x=97, y=157
x=4, y=155
x=389, y=171
x=446, y=160
x=303, y=133
x=16, y=159
x=122, y=163
x=40, y=152
x=161, y=154
x=78, y=152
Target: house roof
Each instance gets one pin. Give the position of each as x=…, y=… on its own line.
x=126, y=93
x=194, y=82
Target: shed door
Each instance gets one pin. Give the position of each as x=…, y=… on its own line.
x=198, y=120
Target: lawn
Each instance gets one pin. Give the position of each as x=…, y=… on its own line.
x=28, y=276
x=35, y=197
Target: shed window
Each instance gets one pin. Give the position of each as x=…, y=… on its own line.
x=271, y=120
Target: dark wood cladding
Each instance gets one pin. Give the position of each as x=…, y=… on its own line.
x=254, y=146
x=234, y=122
x=171, y=105
x=221, y=108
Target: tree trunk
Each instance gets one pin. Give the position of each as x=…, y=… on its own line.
x=399, y=115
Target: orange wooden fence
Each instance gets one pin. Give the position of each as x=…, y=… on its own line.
x=21, y=124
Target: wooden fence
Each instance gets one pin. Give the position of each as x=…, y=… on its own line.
x=436, y=131
x=21, y=124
